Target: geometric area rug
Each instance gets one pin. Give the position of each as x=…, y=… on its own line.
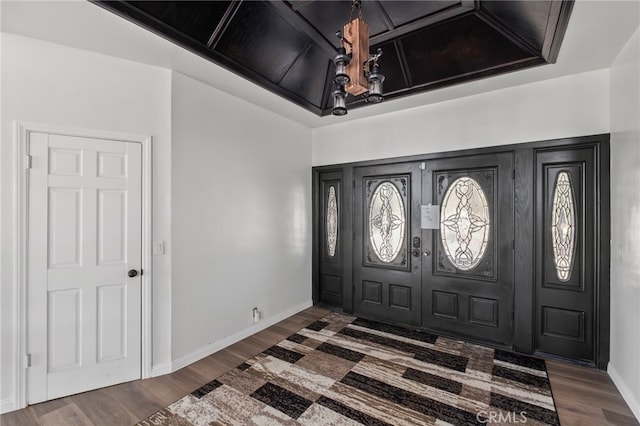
x=343, y=370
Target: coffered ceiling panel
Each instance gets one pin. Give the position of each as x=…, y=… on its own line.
x=261, y=40
x=288, y=47
x=528, y=19
x=463, y=46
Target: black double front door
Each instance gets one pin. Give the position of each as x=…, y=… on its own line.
x=433, y=245
x=506, y=246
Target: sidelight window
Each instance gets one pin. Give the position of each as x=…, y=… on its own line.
x=332, y=221
x=563, y=224
x=387, y=221
x=465, y=223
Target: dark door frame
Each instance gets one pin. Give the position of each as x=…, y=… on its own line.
x=524, y=248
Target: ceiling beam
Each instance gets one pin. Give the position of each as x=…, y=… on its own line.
x=450, y=12
x=556, y=28
x=301, y=54
x=383, y=15
x=224, y=23
x=404, y=66
x=301, y=24
x=301, y=4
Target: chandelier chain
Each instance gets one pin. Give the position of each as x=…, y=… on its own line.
x=355, y=4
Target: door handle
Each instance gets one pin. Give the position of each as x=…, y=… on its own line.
x=416, y=252
x=427, y=253
x=132, y=273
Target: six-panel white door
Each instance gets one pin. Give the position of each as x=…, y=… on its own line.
x=84, y=311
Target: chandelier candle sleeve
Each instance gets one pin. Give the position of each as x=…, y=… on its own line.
x=375, y=80
x=341, y=60
x=339, y=101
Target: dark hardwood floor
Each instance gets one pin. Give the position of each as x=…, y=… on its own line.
x=583, y=396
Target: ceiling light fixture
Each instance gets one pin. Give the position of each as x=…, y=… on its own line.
x=357, y=72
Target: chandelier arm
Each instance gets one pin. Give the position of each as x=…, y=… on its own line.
x=372, y=58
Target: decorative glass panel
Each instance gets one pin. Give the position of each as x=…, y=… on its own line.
x=332, y=222
x=563, y=222
x=464, y=223
x=386, y=221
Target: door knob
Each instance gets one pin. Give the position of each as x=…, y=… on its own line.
x=427, y=253
x=132, y=273
x=416, y=252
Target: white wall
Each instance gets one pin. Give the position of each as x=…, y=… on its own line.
x=51, y=84
x=563, y=107
x=241, y=217
x=231, y=193
x=625, y=222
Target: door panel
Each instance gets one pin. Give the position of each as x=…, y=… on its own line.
x=65, y=309
x=565, y=252
x=84, y=235
x=467, y=275
x=387, y=232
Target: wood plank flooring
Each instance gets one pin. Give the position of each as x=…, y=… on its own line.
x=583, y=396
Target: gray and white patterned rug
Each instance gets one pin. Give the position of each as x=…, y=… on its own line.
x=343, y=370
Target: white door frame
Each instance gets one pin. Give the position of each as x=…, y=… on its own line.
x=21, y=214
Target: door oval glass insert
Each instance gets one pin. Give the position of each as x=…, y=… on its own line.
x=563, y=223
x=387, y=221
x=332, y=222
x=465, y=223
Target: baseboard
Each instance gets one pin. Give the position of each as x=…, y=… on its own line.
x=6, y=405
x=161, y=369
x=627, y=395
x=236, y=337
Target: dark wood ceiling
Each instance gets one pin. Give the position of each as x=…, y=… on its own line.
x=288, y=47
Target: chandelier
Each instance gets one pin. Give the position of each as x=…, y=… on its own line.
x=357, y=72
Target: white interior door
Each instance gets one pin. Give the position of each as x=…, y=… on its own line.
x=84, y=311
